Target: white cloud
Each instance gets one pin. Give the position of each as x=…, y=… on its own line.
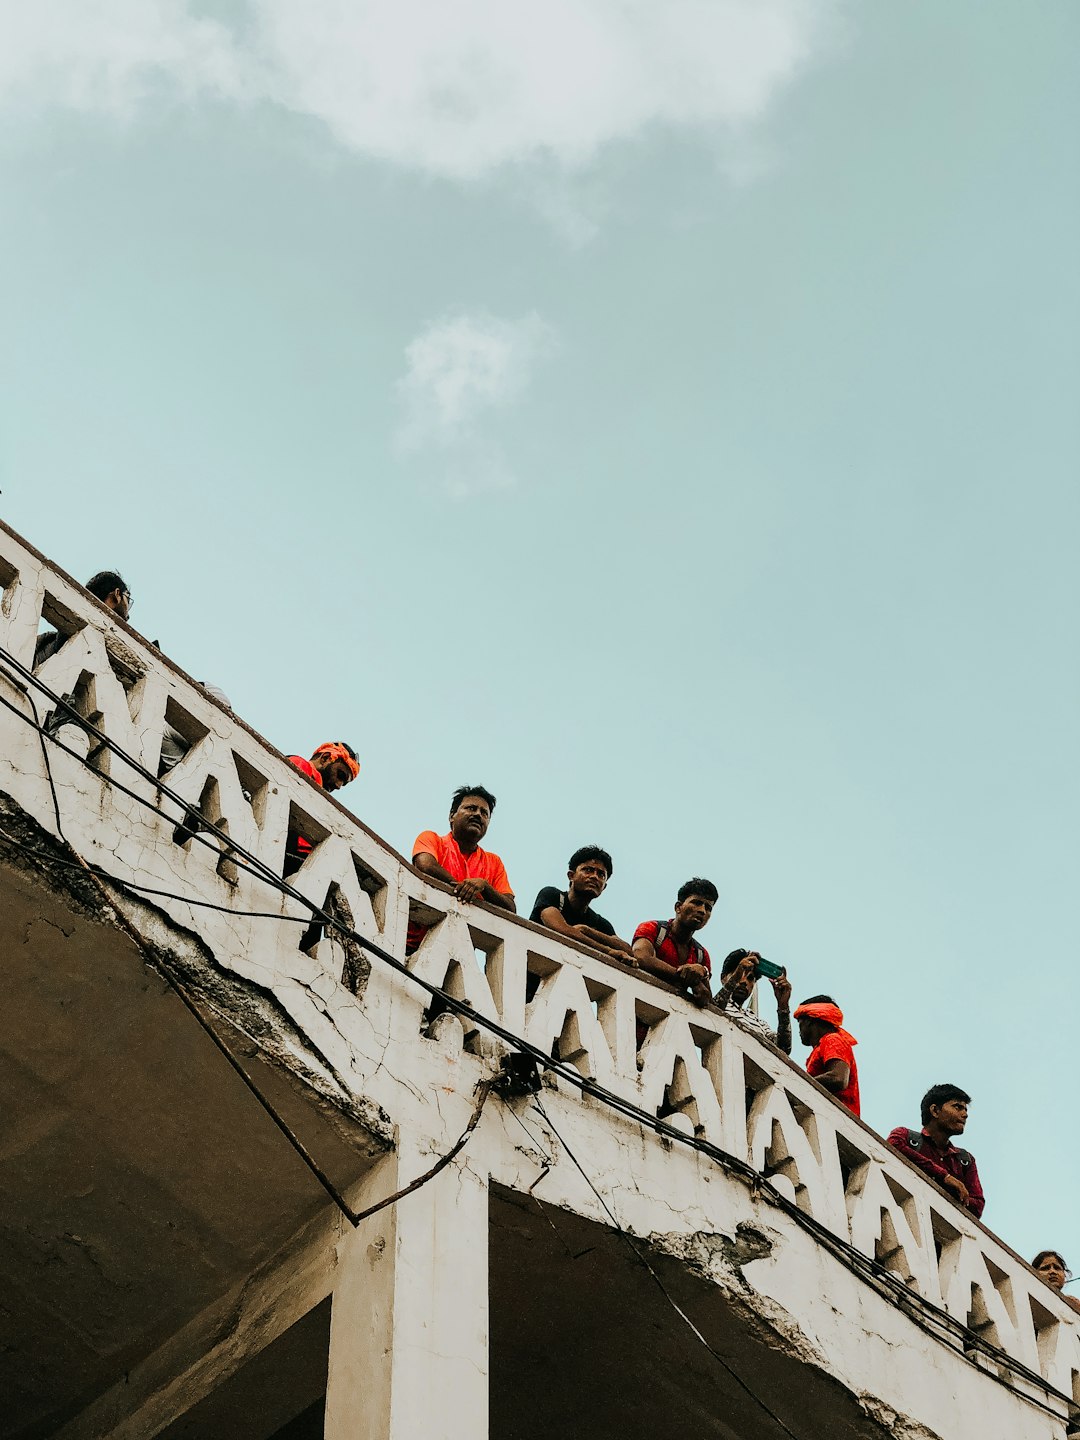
x=457, y=88
x=111, y=56
x=458, y=371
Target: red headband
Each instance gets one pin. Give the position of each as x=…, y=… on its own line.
x=831, y=1014
x=336, y=751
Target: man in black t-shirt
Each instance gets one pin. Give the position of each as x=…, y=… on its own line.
x=570, y=912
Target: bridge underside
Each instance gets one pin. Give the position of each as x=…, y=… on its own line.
x=140, y=1181
x=142, y=1187
x=582, y=1339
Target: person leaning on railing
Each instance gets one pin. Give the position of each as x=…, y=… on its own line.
x=944, y=1112
x=457, y=859
x=1050, y=1265
x=108, y=587
x=667, y=948
x=739, y=975
x=570, y=912
x=332, y=765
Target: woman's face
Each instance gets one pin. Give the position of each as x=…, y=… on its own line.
x=1052, y=1271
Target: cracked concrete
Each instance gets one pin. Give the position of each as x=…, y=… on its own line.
x=155, y=1183
x=250, y=1008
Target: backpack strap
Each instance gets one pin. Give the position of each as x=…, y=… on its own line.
x=696, y=953
x=916, y=1138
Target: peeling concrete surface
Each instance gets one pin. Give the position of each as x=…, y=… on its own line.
x=141, y=1187
x=137, y=1175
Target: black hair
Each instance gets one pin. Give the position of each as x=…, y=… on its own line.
x=697, y=886
x=105, y=582
x=938, y=1095
x=346, y=746
x=591, y=852
x=1045, y=1255
x=464, y=791
x=731, y=962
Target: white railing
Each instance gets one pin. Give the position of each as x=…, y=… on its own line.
x=698, y=1069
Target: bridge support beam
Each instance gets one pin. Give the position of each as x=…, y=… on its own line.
x=409, y=1325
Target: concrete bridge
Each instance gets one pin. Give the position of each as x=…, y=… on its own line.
x=686, y=1237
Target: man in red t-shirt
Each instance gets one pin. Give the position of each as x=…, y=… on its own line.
x=667, y=948
x=457, y=859
x=832, y=1058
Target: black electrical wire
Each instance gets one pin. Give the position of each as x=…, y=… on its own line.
x=144, y=948
x=100, y=871
x=975, y=1340
x=483, y=1090
x=355, y=1218
x=201, y=825
x=643, y=1259
x=916, y=1306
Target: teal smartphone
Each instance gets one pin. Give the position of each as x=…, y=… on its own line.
x=768, y=970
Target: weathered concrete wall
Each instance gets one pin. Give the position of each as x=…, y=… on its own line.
x=363, y=1051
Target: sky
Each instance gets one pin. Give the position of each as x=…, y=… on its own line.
x=664, y=416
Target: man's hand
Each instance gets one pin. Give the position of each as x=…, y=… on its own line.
x=471, y=888
x=692, y=974
x=744, y=971
x=782, y=990
x=608, y=946
x=956, y=1187
x=696, y=979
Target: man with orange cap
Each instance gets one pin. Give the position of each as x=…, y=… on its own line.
x=332, y=766
x=832, y=1056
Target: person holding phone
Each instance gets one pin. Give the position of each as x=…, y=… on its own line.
x=739, y=974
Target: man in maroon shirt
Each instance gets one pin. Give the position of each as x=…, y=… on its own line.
x=944, y=1114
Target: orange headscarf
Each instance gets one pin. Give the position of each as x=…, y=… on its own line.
x=337, y=751
x=831, y=1014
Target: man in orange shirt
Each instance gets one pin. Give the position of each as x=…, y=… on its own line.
x=832, y=1057
x=457, y=859
x=332, y=766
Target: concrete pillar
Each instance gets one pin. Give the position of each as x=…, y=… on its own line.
x=409, y=1323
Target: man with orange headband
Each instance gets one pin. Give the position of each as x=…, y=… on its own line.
x=832, y=1056
x=332, y=766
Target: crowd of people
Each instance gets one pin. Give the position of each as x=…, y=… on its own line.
x=668, y=950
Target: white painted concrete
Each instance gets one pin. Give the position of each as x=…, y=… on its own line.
x=399, y=1277
x=416, y=1271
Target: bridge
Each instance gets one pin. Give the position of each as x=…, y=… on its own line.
x=219, y=1078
